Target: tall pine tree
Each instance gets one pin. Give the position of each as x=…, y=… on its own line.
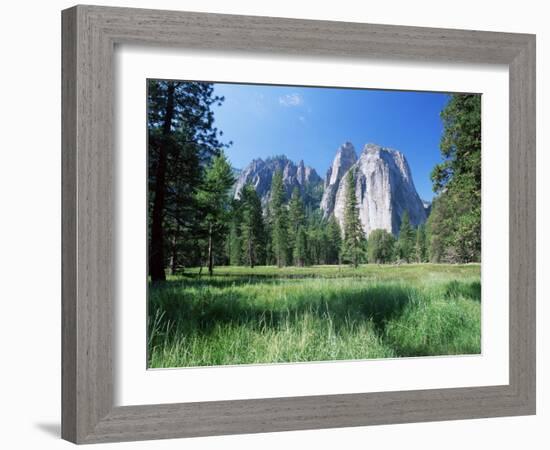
x=455, y=219
x=214, y=200
x=300, y=247
x=381, y=246
x=421, y=251
x=334, y=240
x=353, y=244
x=296, y=221
x=181, y=140
x=268, y=235
x=279, y=220
x=234, y=241
x=406, y=238
x=252, y=227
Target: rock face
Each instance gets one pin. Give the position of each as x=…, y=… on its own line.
x=384, y=190
x=344, y=159
x=259, y=173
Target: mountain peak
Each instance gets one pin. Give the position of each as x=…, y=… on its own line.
x=280, y=158
x=344, y=159
x=347, y=149
x=260, y=176
x=384, y=191
x=384, y=187
x=372, y=147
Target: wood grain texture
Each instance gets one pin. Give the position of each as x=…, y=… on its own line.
x=522, y=224
x=68, y=226
x=87, y=206
x=89, y=36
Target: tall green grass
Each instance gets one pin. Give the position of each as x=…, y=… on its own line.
x=270, y=315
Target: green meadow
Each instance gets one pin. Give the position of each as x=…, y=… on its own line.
x=266, y=314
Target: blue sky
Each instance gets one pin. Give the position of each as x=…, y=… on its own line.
x=311, y=123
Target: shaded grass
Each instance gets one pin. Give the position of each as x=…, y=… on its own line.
x=268, y=315
x=435, y=324
x=413, y=273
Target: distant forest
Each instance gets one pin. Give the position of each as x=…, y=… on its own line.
x=194, y=221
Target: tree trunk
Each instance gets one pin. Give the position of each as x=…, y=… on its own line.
x=174, y=255
x=156, y=251
x=156, y=255
x=200, y=267
x=250, y=260
x=210, y=257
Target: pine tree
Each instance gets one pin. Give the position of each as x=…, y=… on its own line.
x=300, y=247
x=297, y=220
x=420, y=245
x=316, y=239
x=279, y=220
x=455, y=218
x=252, y=227
x=234, y=241
x=381, y=246
x=325, y=245
x=214, y=199
x=269, y=256
x=334, y=240
x=438, y=231
x=181, y=139
x=354, y=237
x=406, y=238
x=235, y=245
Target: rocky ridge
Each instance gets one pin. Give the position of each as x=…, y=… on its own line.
x=345, y=158
x=384, y=190
x=384, y=187
x=260, y=173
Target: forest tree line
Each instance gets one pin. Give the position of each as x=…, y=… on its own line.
x=195, y=221
x=289, y=235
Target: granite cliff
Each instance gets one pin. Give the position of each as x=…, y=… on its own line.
x=345, y=158
x=384, y=190
x=384, y=187
x=260, y=173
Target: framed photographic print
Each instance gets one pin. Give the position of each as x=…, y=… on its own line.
x=278, y=224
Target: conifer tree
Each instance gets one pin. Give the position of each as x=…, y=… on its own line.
x=297, y=221
x=354, y=238
x=234, y=242
x=334, y=239
x=181, y=137
x=235, y=245
x=455, y=218
x=214, y=200
x=252, y=227
x=420, y=245
x=381, y=246
x=279, y=220
x=268, y=254
x=300, y=247
x=406, y=238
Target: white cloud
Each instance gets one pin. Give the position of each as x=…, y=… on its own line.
x=291, y=100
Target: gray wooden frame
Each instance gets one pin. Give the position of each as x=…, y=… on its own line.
x=89, y=36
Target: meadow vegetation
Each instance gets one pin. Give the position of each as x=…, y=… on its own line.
x=318, y=313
